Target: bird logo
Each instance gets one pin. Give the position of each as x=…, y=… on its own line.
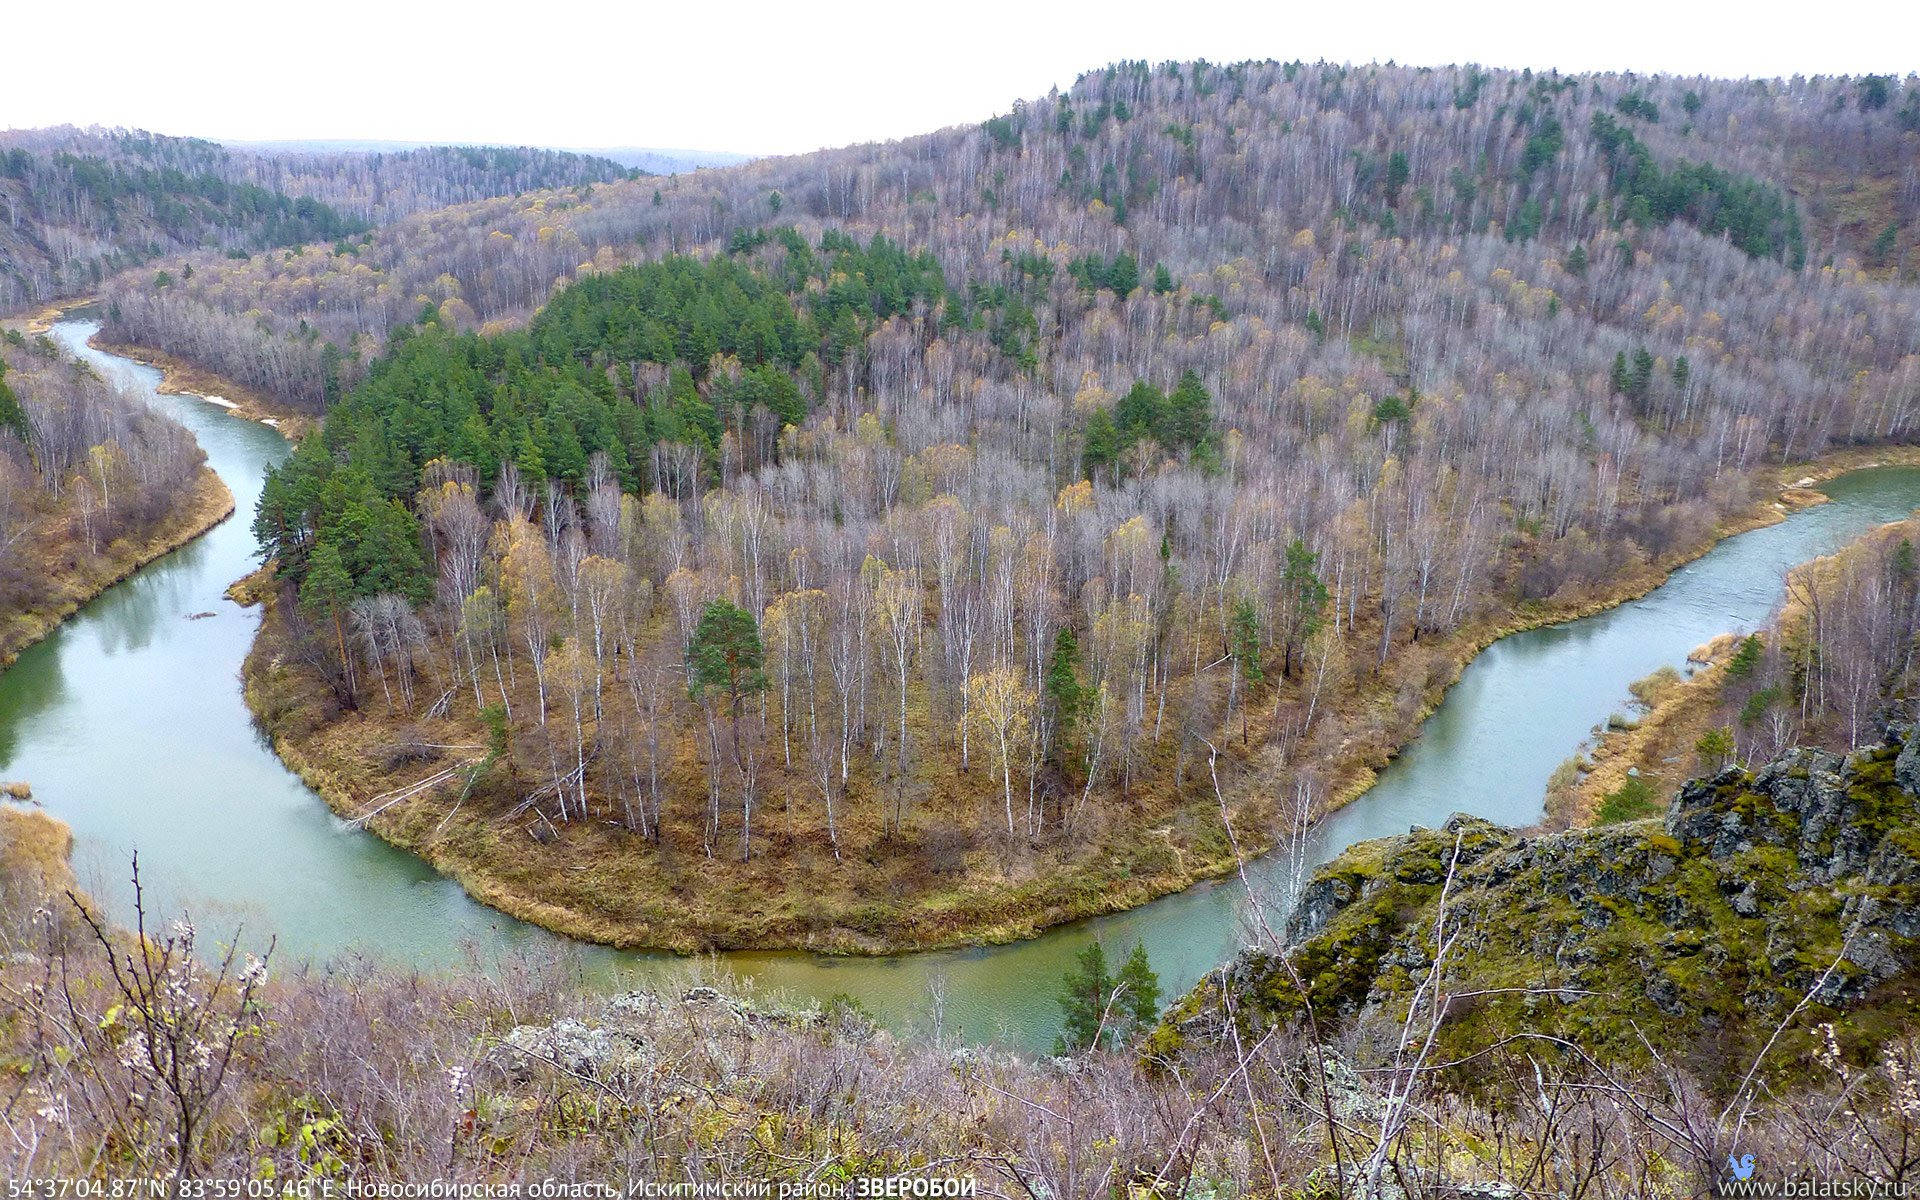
x=1741, y=1167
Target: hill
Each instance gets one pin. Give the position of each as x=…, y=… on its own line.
x=82, y=204
x=649, y=160
x=900, y=545
x=1226, y=168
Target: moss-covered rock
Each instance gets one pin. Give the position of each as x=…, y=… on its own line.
x=1692, y=934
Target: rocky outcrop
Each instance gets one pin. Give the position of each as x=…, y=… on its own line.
x=615, y=1044
x=1800, y=879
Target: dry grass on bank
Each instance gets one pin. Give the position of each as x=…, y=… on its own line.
x=80, y=576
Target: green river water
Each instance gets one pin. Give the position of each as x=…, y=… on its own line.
x=129, y=723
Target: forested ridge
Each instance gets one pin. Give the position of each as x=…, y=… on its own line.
x=1383, y=165
x=83, y=204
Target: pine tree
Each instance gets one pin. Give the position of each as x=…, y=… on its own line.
x=1886, y=243
x=1066, y=695
x=1085, y=992
x=326, y=592
x=1244, y=630
x=1640, y=376
x=1715, y=746
x=1746, y=659
x=1189, y=420
x=1102, y=443
x=13, y=418
x=726, y=655
x=1399, y=170
x=1304, y=600
x=1140, y=413
x=1139, y=990
x=1100, y=1008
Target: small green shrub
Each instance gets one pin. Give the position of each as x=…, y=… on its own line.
x=1631, y=801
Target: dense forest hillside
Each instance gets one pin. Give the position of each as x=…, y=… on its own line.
x=985, y=502
x=1199, y=169
x=82, y=204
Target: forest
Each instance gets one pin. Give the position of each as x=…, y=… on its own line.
x=83, y=204
x=843, y=511
x=86, y=473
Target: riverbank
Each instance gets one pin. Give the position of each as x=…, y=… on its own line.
x=1785, y=491
x=41, y=320
x=178, y=377
x=206, y=505
x=598, y=883
x=1660, y=747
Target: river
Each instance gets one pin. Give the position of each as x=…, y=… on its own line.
x=129, y=723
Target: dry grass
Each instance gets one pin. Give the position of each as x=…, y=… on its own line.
x=41, y=320
x=35, y=878
x=35, y=845
x=1796, y=477
x=1660, y=744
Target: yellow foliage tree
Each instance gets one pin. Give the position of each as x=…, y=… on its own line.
x=1000, y=704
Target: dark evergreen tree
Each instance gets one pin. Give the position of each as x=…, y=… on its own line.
x=13, y=419
x=1099, y=1008
x=1189, y=414
x=1066, y=697
x=1303, y=600
x=725, y=654
x=1640, y=376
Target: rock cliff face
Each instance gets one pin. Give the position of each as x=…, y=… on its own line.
x=1697, y=933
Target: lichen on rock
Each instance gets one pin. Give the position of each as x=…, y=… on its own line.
x=1705, y=927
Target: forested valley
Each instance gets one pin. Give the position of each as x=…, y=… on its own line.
x=82, y=204
x=922, y=544
x=953, y=516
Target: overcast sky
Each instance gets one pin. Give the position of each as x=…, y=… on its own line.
x=785, y=78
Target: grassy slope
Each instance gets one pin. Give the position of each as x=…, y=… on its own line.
x=34, y=848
